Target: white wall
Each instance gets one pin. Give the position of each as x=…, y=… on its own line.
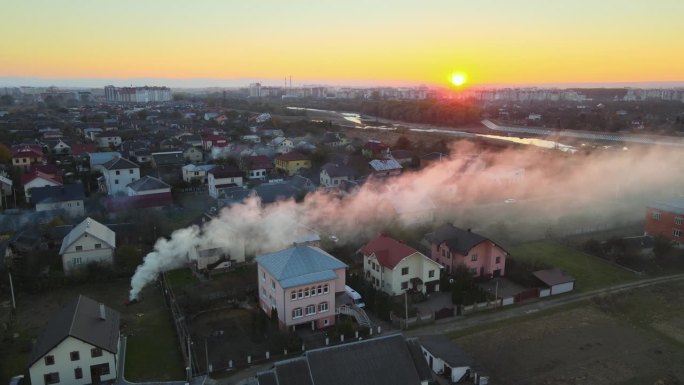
x=65, y=367
x=117, y=183
x=89, y=254
x=562, y=288
x=37, y=182
x=438, y=366
x=72, y=208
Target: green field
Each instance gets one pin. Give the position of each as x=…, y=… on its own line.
x=152, y=351
x=590, y=272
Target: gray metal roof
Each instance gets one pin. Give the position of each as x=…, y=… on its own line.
x=91, y=227
x=79, y=319
x=147, y=183
x=337, y=170
x=64, y=193
x=441, y=347
x=119, y=164
x=456, y=239
x=300, y=265
x=553, y=276
x=384, y=164
x=675, y=205
x=293, y=372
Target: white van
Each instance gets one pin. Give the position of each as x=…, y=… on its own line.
x=355, y=296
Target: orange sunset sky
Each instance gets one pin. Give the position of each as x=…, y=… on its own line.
x=345, y=42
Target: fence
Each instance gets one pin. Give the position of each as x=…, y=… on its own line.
x=481, y=306
x=405, y=323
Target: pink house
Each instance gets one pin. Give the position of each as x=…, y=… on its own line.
x=301, y=284
x=451, y=247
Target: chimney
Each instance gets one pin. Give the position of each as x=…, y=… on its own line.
x=469, y=230
x=103, y=313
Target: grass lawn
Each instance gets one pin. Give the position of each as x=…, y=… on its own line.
x=14, y=355
x=180, y=278
x=589, y=271
x=152, y=351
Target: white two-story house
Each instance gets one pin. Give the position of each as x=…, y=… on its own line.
x=223, y=176
x=300, y=284
x=79, y=345
x=117, y=174
x=88, y=242
x=394, y=267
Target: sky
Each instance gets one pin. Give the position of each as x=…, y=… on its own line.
x=398, y=42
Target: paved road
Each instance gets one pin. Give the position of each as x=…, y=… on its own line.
x=460, y=323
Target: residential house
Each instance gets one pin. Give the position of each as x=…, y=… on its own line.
x=403, y=157
x=98, y=159
x=117, y=174
x=38, y=179
x=333, y=174
x=142, y=155
x=92, y=132
x=281, y=145
x=333, y=140
x=59, y=147
x=108, y=140
x=275, y=191
x=666, y=218
x=251, y=138
x=194, y=140
x=448, y=360
x=292, y=162
x=212, y=140
x=300, y=283
x=555, y=281
x=6, y=185
x=196, y=174
x=83, y=149
x=385, y=360
x=432, y=157
x=453, y=247
x=374, y=149
x=173, y=159
x=88, y=242
x=79, y=345
x=256, y=167
x=395, y=267
x=24, y=157
x=193, y=154
x=223, y=176
x=148, y=191
x=68, y=198
x=384, y=168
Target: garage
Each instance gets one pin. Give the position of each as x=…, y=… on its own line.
x=556, y=280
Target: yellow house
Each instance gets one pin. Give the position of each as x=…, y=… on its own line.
x=291, y=162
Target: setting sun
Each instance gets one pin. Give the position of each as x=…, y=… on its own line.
x=458, y=79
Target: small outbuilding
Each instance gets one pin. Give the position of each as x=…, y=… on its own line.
x=556, y=280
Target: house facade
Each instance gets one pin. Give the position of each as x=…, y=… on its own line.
x=385, y=167
x=453, y=247
x=334, y=174
x=38, y=179
x=196, y=174
x=300, y=283
x=193, y=154
x=282, y=145
x=666, y=218
x=107, y=140
x=256, y=167
x=117, y=174
x=223, y=176
x=88, y=242
x=67, y=198
x=23, y=158
x=79, y=345
x=292, y=162
x=394, y=267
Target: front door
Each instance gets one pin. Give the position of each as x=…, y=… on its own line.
x=97, y=371
x=431, y=363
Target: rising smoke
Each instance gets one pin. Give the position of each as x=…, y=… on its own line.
x=550, y=187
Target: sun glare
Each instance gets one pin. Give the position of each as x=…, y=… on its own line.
x=458, y=79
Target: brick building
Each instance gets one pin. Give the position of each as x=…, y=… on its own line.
x=666, y=218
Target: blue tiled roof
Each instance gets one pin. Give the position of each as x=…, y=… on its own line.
x=300, y=265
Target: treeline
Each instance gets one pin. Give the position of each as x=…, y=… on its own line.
x=439, y=112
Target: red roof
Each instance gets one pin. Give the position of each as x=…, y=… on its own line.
x=213, y=138
x=257, y=162
x=82, y=149
x=27, y=153
x=26, y=178
x=388, y=251
x=290, y=156
x=49, y=169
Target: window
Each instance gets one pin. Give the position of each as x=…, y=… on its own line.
x=79, y=248
x=293, y=296
x=272, y=284
x=300, y=294
x=319, y=290
x=498, y=259
x=98, y=245
x=404, y=270
x=679, y=220
x=263, y=276
x=49, y=360
x=75, y=356
x=306, y=292
x=116, y=181
x=443, y=252
x=369, y=261
x=311, y=309
x=677, y=233
x=118, y=172
x=656, y=215
x=404, y=285
x=325, y=322
x=51, y=378
x=322, y=307
x=296, y=313
x=325, y=289
x=77, y=261
x=96, y=352
x=78, y=373
x=473, y=257
x=130, y=171
x=104, y=368
x=431, y=274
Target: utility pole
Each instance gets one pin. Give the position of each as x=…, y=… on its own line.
x=406, y=308
x=189, y=359
x=496, y=292
x=14, y=304
x=206, y=352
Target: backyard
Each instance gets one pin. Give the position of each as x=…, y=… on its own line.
x=590, y=272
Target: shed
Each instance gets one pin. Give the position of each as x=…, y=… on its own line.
x=556, y=280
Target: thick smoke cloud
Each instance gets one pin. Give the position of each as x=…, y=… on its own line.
x=469, y=188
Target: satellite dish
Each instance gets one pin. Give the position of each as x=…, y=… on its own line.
x=451, y=280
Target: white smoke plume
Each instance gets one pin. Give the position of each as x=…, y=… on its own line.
x=606, y=184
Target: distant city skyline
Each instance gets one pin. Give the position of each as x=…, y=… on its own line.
x=526, y=42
